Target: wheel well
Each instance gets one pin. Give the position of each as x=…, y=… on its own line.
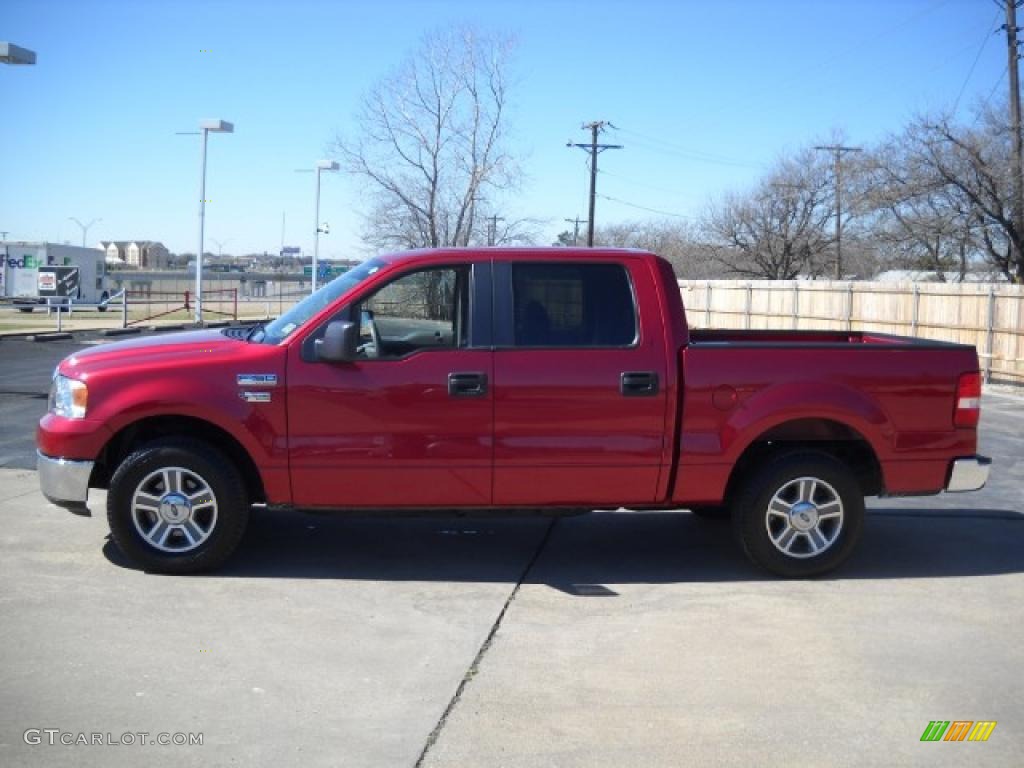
x=825, y=435
x=147, y=430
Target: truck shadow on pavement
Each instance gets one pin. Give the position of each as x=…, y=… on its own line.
x=581, y=554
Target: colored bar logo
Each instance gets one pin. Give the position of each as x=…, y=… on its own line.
x=958, y=730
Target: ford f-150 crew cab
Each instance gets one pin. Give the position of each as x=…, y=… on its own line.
x=507, y=379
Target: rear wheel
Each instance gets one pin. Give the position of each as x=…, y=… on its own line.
x=801, y=515
x=177, y=506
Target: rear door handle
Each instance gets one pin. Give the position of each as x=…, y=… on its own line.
x=638, y=383
x=467, y=384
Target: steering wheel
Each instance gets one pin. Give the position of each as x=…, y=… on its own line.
x=372, y=348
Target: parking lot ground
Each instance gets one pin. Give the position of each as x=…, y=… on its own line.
x=640, y=639
x=24, y=384
x=648, y=641
x=327, y=642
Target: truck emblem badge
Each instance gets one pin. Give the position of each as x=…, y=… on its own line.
x=255, y=397
x=257, y=379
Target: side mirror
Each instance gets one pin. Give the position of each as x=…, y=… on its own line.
x=339, y=342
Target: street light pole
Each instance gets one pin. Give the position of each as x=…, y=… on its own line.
x=220, y=245
x=202, y=224
x=206, y=127
x=322, y=165
x=85, y=227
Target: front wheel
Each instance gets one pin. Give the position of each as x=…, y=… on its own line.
x=801, y=515
x=104, y=298
x=177, y=506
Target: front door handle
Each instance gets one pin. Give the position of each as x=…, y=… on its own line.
x=467, y=384
x=638, y=383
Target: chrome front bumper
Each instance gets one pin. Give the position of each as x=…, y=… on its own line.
x=968, y=474
x=64, y=482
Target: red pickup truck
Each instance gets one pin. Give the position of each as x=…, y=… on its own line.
x=470, y=379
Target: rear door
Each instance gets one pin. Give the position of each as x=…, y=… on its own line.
x=579, y=383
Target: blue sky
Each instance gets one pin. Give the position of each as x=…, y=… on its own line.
x=706, y=94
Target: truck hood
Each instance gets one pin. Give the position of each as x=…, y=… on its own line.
x=190, y=348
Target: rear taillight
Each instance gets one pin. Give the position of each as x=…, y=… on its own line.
x=968, y=400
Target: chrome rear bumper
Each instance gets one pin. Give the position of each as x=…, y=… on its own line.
x=968, y=474
x=64, y=482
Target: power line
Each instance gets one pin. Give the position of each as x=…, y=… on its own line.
x=977, y=58
x=644, y=208
x=824, y=69
x=595, y=127
x=987, y=99
x=634, y=182
x=651, y=143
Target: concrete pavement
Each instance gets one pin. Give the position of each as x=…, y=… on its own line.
x=342, y=651
x=24, y=384
x=634, y=639
x=660, y=646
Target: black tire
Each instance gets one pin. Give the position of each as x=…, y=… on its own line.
x=225, y=519
x=25, y=309
x=758, y=530
x=104, y=298
x=717, y=513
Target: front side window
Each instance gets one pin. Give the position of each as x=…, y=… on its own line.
x=572, y=305
x=284, y=326
x=423, y=310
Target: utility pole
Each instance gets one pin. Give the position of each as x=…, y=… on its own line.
x=1013, y=57
x=837, y=151
x=576, y=228
x=594, y=149
x=492, y=229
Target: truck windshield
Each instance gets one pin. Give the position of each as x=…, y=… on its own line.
x=280, y=329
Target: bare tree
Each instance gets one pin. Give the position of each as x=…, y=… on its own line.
x=969, y=168
x=431, y=144
x=920, y=221
x=780, y=229
x=677, y=241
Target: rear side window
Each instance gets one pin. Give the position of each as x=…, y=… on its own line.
x=572, y=305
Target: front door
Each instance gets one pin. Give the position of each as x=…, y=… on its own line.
x=409, y=423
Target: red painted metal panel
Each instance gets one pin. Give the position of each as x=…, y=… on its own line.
x=565, y=434
x=386, y=433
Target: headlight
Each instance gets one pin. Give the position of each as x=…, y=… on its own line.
x=68, y=397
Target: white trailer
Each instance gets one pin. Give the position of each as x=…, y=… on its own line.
x=19, y=275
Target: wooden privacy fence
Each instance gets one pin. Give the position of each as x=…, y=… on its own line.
x=989, y=316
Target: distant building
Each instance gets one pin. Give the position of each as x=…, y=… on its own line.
x=929, y=276
x=148, y=254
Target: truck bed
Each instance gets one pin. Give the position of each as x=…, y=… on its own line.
x=817, y=339
x=892, y=393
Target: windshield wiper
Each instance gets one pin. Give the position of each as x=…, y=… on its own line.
x=253, y=330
